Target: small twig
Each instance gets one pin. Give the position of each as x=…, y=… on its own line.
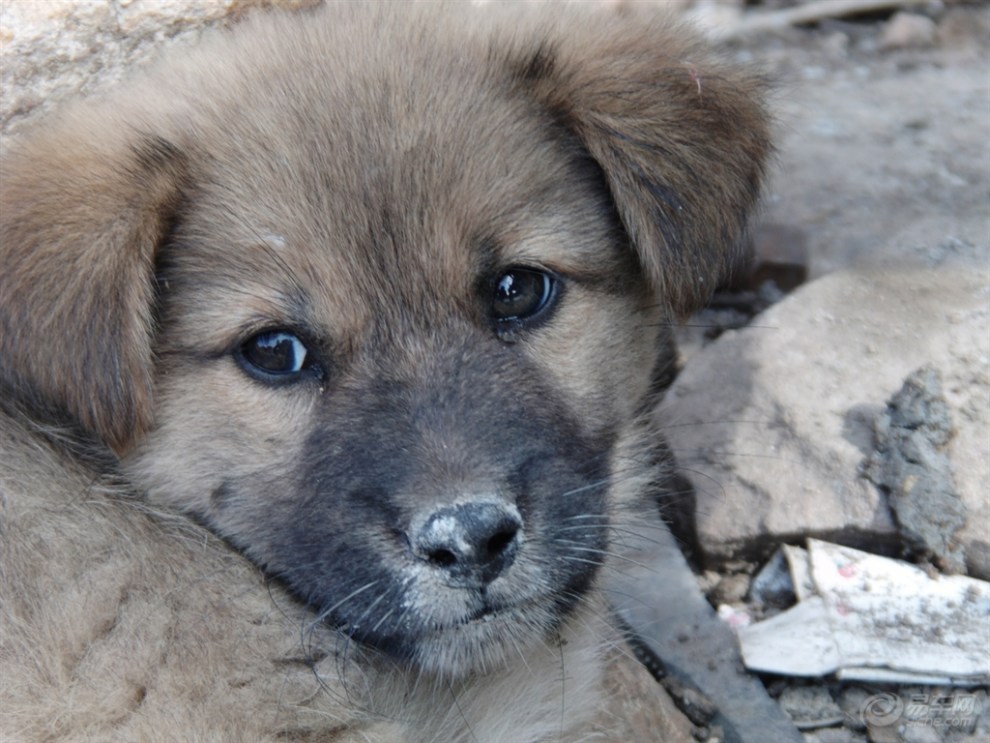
x=810, y=13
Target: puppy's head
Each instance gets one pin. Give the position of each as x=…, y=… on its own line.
x=379, y=312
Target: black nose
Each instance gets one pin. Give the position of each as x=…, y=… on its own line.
x=472, y=542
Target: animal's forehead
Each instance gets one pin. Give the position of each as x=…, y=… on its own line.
x=392, y=201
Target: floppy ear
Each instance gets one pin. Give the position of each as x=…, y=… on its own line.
x=682, y=141
x=84, y=204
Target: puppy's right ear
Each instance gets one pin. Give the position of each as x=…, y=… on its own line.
x=682, y=139
x=84, y=206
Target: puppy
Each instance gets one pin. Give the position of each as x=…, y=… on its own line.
x=379, y=296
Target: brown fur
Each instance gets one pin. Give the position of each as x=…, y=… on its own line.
x=361, y=177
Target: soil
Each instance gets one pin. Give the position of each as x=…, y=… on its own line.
x=883, y=153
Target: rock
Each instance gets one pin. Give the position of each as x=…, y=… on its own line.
x=853, y=701
x=714, y=18
x=908, y=30
x=883, y=734
x=836, y=44
x=921, y=734
x=911, y=466
x=772, y=586
x=730, y=590
x=963, y=31
x=810, y=707
x=56, y=49
x=708, y=580
x=771, y=422
x=833, y=735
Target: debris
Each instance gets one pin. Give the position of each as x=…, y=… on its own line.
x=833, y=735
x=879, y=620
x=919, y=714
x=733, y=616
x=852, y=701
x=797, y=561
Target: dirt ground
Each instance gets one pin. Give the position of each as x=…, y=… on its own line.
x=884, y=153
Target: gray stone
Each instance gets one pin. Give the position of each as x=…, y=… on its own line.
x=41, y=57
x=810, y=707
x=908, y=30
x=853, y=701
x=910, y=464
x=772, y=422
x=772, y=586
x=833, y=735
x=55, y=49
x=921, y=734
x=732, y=589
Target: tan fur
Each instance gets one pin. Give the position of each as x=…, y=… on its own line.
x=359, y=175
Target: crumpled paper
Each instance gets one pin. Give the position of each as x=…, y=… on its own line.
x=869, y=618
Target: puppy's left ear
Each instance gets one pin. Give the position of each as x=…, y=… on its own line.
x=681, y=138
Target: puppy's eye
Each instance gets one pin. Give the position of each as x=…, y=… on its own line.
x=274, y=356
x=522, y=293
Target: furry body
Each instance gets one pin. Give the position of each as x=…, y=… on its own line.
x=380, y=297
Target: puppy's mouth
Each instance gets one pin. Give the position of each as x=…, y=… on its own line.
x=489, y=611
x=483, y=640
x=458, y=631
x=485, y=614
x=430, y=613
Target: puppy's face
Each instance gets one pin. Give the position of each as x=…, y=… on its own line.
x=381, y=315
x=400, y=395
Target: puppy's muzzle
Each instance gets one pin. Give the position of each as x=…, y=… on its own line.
x=470, y=543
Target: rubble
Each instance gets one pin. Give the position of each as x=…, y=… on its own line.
x=870, y=618
x=772, y=422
